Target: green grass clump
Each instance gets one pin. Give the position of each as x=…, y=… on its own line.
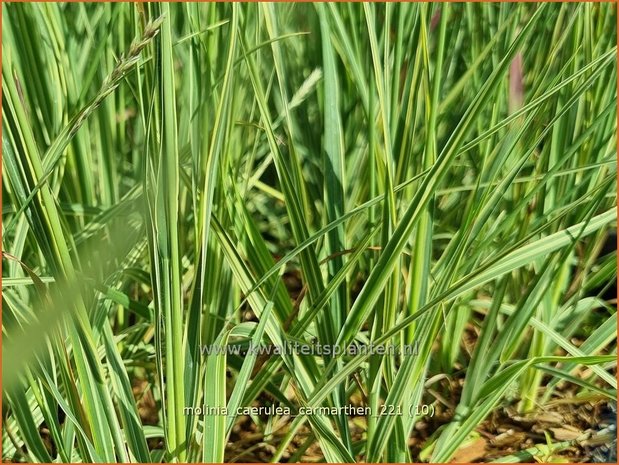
x=181, y=176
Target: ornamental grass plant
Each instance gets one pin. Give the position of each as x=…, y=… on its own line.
x=308, y=232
